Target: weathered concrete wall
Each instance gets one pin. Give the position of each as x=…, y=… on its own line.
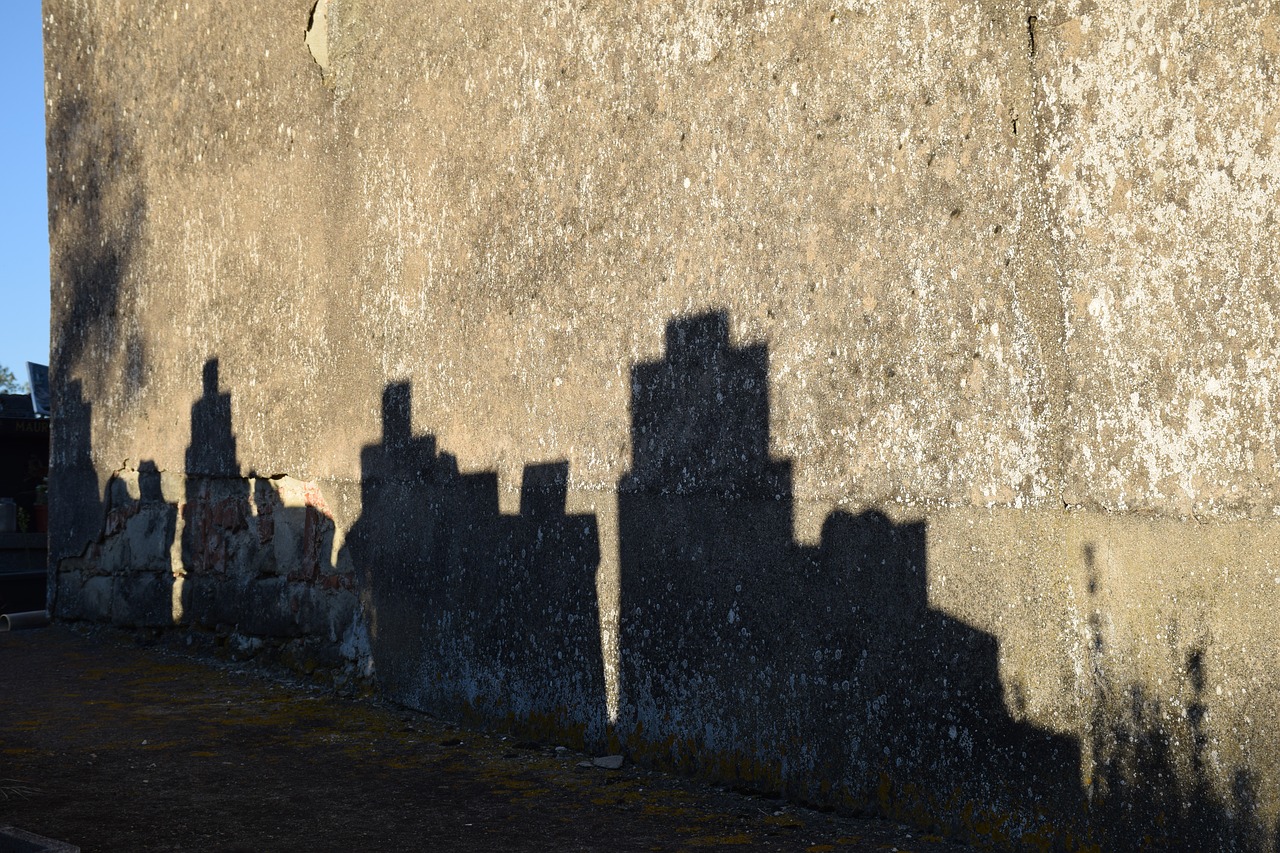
x=867, y=401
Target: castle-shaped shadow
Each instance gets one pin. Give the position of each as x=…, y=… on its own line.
x=472, y=612
x=821, y=671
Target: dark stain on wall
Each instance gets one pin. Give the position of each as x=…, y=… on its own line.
x=96, y=212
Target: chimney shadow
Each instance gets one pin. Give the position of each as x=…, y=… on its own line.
x=215, y=510
x=135, y=546
x=75, y=505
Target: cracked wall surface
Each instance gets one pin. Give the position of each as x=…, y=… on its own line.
x=872, y=402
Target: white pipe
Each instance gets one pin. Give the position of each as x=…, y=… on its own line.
x=28, y=619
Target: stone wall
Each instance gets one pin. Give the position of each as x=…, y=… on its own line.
x=869, y=402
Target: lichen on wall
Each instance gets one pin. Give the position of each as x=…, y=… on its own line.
x=1161, y=174
x=869, y=402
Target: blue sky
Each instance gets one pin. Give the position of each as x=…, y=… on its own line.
x=24, y=222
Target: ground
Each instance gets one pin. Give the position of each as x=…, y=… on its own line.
x=115, y=745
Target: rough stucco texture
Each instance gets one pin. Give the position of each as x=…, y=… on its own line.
x=868, y=401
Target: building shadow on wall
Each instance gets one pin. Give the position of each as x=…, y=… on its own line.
x=748, y=656
x=75, y=506
x=109, y=557
x=474, y=613
x=76, y=509
x=823, y=673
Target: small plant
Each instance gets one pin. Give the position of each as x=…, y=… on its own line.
x=24, y=520
x=16, y=788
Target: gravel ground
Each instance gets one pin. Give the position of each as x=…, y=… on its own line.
x=111, y=745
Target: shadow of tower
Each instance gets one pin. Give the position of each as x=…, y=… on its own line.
x=818, y=672
x=399, y=539
x=215, y=510
x=704, y=519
